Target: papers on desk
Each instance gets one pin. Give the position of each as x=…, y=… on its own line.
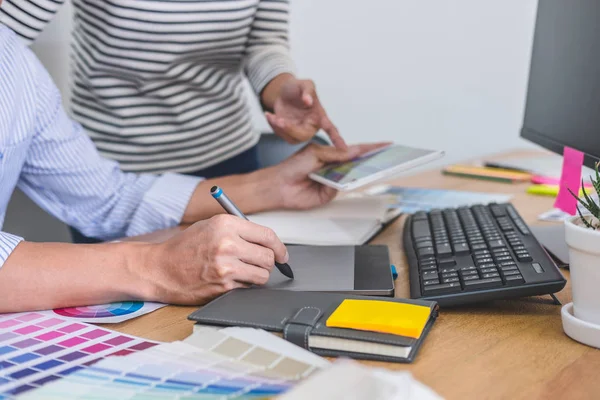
x=350, y=220
x=350, y=380
x=411, y=200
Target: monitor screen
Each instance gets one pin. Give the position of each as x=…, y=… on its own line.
x=563, y=97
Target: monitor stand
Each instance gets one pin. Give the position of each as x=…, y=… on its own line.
x=552, y=237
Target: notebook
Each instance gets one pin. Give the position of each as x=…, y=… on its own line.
x=350, y=221
x=302, y=319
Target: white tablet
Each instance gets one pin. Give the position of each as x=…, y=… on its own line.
x=372, y=167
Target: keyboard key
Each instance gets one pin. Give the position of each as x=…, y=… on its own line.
x=497, y=211
x=450, y=280
x=469, y=273
x=425, y=251
x=424, y=243
x=470, y=278
x=496, y=243
x=449, y=274
x=490, y=275
x=443, y=249
x=461, y=248
x=511, y=272
x=447, y=270
x=427, y=275
x=488, y=270
x=525, y=258
x=483, y=283
x=509, y=268
x=508, y=263
x=447, y=262
x=442, y=289
x=504, y=258
x=538, y=268
x=478, y=246
x=469, y=268
x=514, y=280
x=420, y=229
x=431, y=282
x=429, y=268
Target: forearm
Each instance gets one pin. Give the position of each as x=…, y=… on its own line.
x=272, y=90
x=38, y=276
x=254, y=192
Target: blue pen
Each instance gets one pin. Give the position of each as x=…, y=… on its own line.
x=232, y=209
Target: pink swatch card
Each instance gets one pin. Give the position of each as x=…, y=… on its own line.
x=569, y=179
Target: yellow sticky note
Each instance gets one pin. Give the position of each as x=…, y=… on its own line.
x=380, y=316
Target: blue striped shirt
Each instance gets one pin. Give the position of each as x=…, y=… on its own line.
x=51, y=159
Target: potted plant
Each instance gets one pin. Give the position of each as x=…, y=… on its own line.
x=582, y=233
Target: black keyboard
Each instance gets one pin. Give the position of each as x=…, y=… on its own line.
x=475, y=254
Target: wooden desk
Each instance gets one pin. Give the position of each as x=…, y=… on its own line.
x=504, y=349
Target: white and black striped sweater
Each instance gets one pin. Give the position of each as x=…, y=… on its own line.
x=158, y=84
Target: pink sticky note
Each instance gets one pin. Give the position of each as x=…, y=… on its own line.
x=569, y=179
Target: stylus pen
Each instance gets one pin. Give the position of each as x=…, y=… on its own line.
x=232, y=209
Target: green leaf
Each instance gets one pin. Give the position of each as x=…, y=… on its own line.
x=587, y=207
x=591, y=204
x=585, y=221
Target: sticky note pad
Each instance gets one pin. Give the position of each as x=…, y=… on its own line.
x=380, y=316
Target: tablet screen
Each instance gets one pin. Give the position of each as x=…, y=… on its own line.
x=371, y=163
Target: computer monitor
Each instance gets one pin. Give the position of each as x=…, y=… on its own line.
x=563, y=98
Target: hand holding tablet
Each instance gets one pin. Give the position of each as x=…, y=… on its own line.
x=375, y=166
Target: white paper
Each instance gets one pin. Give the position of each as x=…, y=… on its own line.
x=349, y=220
x=348, y=380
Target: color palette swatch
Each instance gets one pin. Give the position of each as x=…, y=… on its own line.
x=39, y=347
x=216, y=366
x=109, y=313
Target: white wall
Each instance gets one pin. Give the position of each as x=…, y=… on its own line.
x=444, y=74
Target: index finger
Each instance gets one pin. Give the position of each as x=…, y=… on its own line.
x=263, y=236
x=333, y=133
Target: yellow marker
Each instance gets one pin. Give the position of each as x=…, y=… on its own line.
x=380, y=316
x=546, y=190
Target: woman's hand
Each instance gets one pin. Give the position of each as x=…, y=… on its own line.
x=297, y=112
x=296, y=189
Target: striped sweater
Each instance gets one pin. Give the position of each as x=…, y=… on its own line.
x=158, y=84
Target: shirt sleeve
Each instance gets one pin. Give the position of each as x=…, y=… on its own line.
x=267, y=54
x=64, y=174
x=8, y=243
x=27, y=18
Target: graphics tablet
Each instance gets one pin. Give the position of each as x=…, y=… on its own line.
x=372, y=167
x=363, y=270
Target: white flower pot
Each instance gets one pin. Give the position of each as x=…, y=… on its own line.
x=584, y=265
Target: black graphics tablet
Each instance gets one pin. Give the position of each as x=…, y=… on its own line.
x=363, y=270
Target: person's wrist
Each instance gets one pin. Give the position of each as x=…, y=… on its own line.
x=274, y=89
x=267, y=186
x=139, y=260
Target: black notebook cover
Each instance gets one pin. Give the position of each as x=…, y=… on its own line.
x=302, y=315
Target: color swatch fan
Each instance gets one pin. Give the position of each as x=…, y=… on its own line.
x=109, y=313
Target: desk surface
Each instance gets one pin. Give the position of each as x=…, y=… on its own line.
x=504, y=349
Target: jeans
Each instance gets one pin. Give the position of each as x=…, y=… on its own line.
x=242, y=163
